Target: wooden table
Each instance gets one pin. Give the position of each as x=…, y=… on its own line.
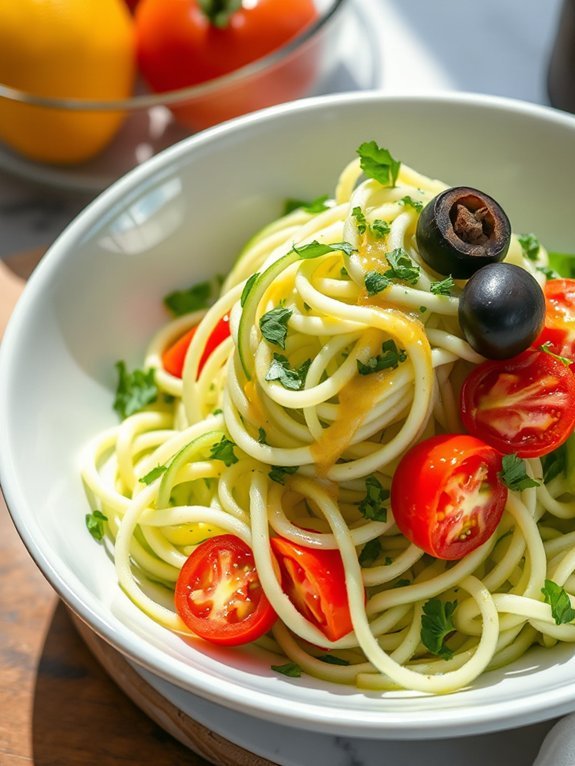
x=58, y=707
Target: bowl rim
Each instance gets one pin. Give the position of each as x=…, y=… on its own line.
x=181, y=95
x=426, y=723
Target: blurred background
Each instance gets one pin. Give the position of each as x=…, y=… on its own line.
x=56, y=155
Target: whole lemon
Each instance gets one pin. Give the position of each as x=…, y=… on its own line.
x=83, y=49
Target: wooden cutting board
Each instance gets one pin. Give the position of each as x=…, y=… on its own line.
x=57, y=705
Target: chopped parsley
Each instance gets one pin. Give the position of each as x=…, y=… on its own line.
x=402, y=267
x=559, y=601
x=371, y=507
x=332, y=659
x=375, y=282
x=250, y=281
x=278, y=473
x=290, y=378
x=370, y=553
x=95, y=524
x=514, y=475
x=315, y=249
x=154, y=474
x=377, y=162
x=196, y=297
x=380, y=228
x=262, y=437
x=408, y=201
x=401, y=583
x=224, y=451
x=316, y=205
x=273, y=325
x=134, y=390
x=390, y=358
x=548, y=272
x=359, y=216
x=444, y=287
x=436, y=626
x=530, y=245
x=546, y=348
x=290, y=669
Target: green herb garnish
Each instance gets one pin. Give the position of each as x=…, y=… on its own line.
x=514, y=475
x=262, y=437
x=95, y=524
x=530, y=245
x=332, y=659
x=436, y=625
x=371, y=507
x=278, y=473
x=290, y=669
x=376, y=162
x=290, y=378
x=559, y=601
x=273, y=325
x=546, y=348
x=380, y=228
x=402, y=267
x=196, y=297
x=375, y=282
x=390, y=358
x=408, y=201
x=134, y=390
x=370, y=553
x=224, y=451
x=444, y=287
x=359, y=216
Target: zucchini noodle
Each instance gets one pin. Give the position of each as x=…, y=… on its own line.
x=328, y=430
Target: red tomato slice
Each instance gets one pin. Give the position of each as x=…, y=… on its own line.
x=446, y=496
x=314, y=580
x=524, y=405
x=559, y=330
x=174, y=357
x=219, y=595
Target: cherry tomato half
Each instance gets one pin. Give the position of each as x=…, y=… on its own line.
x=524, y=405
x=446, y=496
x=219, y=595
x=314, y=580
x=174, y=357
x=559, y=330
x=179, y=45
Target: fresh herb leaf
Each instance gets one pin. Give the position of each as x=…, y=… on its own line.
x=289, y=669
x=559, y=601
x=563, y=264
x=402, y=267
x=359, y=216
x=273, y=326
x=370, y=553
x=196, y=297
x=375, y=282
x=217, y=411
x=514, y=475
x=422, y=309
x=316, y=205
x=444, y=287
x=387, y=561
x=343, y=272
x=292, y=379
x=436, y=625
x=332, y=659
x=134, y=390
x=262, y=437
x=401, y=583
x=154, y=474
x=408, y=201
x=530, y=245
x=376, y=162
x=546, y=347
x=380, y=228
x=279, y=472
x=95, y=524
x=250, y=281
x=315, y=249
x=224, y=450
x=554, y=463
x=390, y=358
x=371, y=507
x=549, y=273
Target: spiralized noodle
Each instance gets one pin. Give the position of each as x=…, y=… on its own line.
x=335, y=431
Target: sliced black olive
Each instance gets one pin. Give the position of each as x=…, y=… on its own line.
x=501, y=310
x=461, y=230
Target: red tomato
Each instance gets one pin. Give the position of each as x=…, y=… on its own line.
x=178, y=46
x=219, y=596
x=174, y=357
x=524, y=405
x=314, y=580
x=446, y=496
x=559, y=330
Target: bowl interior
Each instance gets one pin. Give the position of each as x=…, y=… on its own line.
x=97, y=298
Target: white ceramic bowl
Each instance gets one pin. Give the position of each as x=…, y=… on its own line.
x=181, y=217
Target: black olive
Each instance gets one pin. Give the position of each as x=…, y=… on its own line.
x=501, y=310
x=461, y=230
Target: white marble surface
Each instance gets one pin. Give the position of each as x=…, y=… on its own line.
x=499, y=47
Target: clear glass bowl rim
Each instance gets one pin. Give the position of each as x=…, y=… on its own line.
x=167, y=98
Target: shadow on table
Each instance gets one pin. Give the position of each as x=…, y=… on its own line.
x=81, y=718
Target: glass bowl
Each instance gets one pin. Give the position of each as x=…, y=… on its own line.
x=312, y=63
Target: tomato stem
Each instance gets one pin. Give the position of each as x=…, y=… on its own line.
x=219, y=12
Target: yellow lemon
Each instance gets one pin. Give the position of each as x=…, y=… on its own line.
x=83, y=49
